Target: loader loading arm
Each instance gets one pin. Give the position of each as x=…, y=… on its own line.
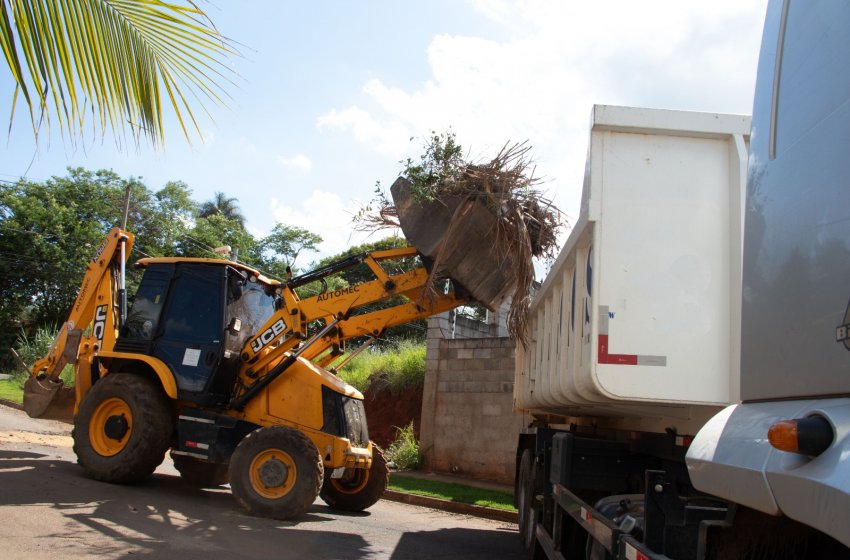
x=343, y=314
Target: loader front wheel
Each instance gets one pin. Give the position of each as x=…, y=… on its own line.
x=122, y=429
x=201, y=474
x=276, y=472
x=358, y=489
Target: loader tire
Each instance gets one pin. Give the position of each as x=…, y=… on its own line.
x=358, y=489
x=122, y=429
x=201, y=474
x=276, y=472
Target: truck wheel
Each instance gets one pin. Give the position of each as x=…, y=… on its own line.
x=525, y=498
x=201, y=474
x=122, y=429
x=358, y=489
x=276, y=472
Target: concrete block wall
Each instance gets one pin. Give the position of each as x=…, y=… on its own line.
x=468, y=423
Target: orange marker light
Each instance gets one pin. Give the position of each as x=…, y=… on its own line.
x=783, y=436
x=808, y=436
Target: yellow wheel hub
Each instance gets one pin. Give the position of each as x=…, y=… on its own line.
x=351, y=483
x=273, y=473
x=111, y=426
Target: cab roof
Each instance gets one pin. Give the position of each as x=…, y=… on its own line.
x=215, y=262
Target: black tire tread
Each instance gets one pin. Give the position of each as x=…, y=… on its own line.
x=379, y=475
x=308, y=464
x=153, y=426
x=525, y=496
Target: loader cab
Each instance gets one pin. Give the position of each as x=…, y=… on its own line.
x=195, y=315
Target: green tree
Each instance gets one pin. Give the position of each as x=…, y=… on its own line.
x=282, y=247
x=221, y=205
x=175, y=216
x=48, y=232
x=119, y=63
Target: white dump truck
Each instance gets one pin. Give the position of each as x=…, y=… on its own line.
x=687, y=374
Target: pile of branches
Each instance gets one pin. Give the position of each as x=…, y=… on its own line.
x=527, y=223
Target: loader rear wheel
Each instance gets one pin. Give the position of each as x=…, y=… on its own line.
x=122, y=429
x=201, y=474
x=276, y=472
x=358, y=489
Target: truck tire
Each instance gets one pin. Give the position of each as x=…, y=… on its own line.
x=201, y=474
x=122, y=429
x=358, y=489
x=276, y=472
x=525, y=498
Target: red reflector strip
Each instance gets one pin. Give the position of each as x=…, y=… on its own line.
x=634, y=554
x=586, y=515
x=606, y=358
x=190, y=444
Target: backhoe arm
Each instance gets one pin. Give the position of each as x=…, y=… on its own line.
x=95, y=306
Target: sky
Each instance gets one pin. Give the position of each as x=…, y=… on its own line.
x=330, y=96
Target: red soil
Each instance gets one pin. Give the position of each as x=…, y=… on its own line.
x=387, y=412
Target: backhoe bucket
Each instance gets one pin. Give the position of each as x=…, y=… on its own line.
x=45, y=398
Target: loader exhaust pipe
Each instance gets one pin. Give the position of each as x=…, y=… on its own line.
x=122, y=276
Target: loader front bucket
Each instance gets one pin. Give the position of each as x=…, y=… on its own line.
x=45, y=398
x=462, y=236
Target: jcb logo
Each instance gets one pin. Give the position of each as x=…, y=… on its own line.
x=268, y=335
x=99, y=323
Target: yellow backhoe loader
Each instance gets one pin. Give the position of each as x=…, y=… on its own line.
x=226, y=368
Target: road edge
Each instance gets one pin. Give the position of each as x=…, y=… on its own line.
x=452, y=507
x=11, y=404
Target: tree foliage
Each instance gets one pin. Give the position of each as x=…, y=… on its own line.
x=222, y=205
x=279, y=250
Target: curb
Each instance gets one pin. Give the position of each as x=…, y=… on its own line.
x=11, y=404
x=452, y=507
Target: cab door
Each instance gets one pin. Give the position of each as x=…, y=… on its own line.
x=192, y=327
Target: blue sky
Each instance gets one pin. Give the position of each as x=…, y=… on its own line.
x=329, y=94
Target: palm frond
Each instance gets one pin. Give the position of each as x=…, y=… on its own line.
x=118, y=62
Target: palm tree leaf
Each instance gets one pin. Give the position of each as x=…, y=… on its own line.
x=120, y=57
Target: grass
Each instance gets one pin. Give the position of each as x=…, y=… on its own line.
x=452, y=492
x=11, y=390
x=398, y=368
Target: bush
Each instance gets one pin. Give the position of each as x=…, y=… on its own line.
x=404, y=451
x=397, y=368
x=31, y=349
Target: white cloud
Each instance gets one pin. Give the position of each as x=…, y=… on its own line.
x=562, y=58
x=326, y=214
x=383, y=137
x=299, y=162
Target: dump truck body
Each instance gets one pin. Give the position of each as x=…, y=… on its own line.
x=638, y=314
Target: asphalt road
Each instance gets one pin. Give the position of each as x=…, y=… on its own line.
x=48, y=510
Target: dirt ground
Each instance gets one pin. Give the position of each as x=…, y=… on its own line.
x=386, y=412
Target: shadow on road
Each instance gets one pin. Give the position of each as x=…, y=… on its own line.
x=161, y=517
x=466, y=543
x=164, y=518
